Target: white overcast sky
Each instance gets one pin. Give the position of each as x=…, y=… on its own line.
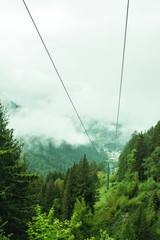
x=85, y=39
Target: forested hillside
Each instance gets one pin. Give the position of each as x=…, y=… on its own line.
x=44, y=155
x=17, y=201
x=66, y=200
x=76, y=204
x=131, y=209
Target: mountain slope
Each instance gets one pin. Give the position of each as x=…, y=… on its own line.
x=43, y=155
x=130, y=209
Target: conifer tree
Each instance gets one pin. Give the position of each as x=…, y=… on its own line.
x=156, y=137
x=70, y=193
x=93, y=171
x=86, y=182
x=49, y=196
x=58, y=197
x=82, y=214
x=80, y=183
x=123, y=159
x=152, y=165
x=15, y=201
x=139, y=155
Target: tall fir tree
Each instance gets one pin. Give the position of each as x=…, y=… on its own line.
x=86, y=183
x=70, y=193
x=123, y=159
x=80, y=183
x=139, y=155
x=15, y=200
x=156, y=137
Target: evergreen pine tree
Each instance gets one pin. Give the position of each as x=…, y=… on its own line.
x=156, y=137
x=86, y=183
x=80, y=183
x=123, y=159
x=15, y=200
x=82, y=214
x=139, y=155
x=49, y=196
x=70, y=193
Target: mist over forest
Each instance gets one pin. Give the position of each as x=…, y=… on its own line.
x=49, y=152
x=80, y=130
x=53, y=189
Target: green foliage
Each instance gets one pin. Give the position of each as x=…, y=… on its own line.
x=71, y=208
x=80, y=183
x=51, y=193
x=104, y=236
x=140, y=154
x=84, y=218
x=123, y=159
x=132, y=206
x=70, y=192
x=46, y=227
x=128, y=231
x=155, y=137
x=2, y=232
x=152, y=165
x=15, y=194
x=45, y=156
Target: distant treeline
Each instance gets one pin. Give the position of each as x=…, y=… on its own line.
x=132, y=206
x=75, y=204
x=20, y=192
x=44, y=155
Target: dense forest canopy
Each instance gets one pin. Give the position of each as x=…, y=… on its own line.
x=75, y=204
x=44, y=155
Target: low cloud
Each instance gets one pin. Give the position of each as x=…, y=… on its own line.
x=86, y=45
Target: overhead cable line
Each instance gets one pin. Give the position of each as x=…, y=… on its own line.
x=60, y=78
x=121, y=76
